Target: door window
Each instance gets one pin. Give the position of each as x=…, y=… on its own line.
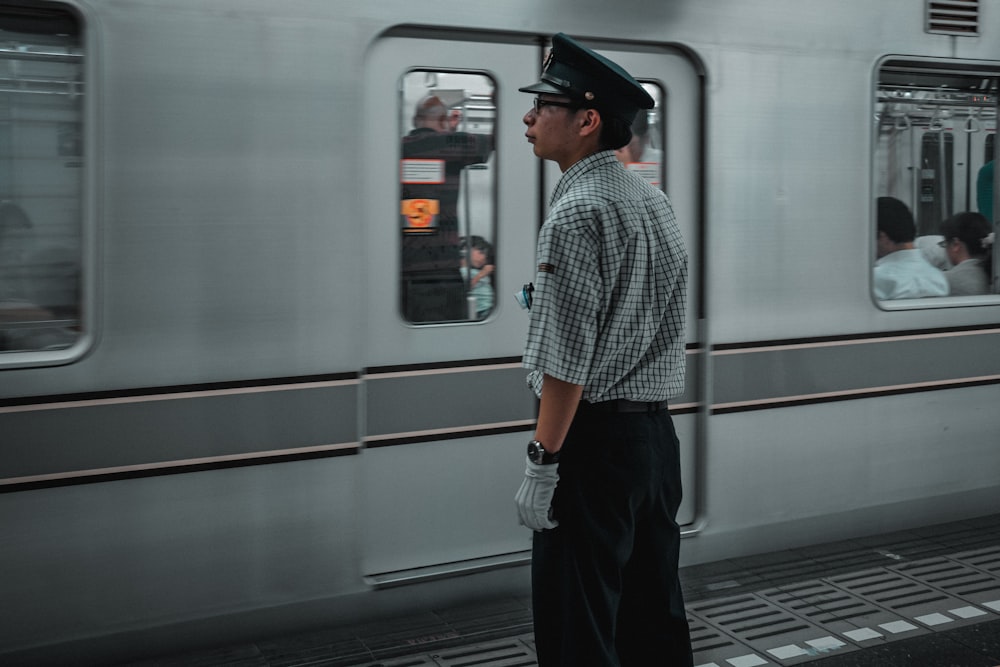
x=41, y=158
x=447, y=190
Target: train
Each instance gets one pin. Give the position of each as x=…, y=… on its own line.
x=221, y=413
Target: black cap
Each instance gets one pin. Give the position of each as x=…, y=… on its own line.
x=591, y=79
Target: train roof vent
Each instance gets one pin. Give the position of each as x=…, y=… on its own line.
x=953, y=17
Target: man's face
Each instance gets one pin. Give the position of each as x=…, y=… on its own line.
x=551, y=131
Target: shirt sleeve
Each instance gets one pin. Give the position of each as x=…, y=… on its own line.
x=565, y=313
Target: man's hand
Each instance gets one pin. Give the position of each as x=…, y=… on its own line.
x=534, y=498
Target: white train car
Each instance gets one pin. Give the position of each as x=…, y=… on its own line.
x=220, y=410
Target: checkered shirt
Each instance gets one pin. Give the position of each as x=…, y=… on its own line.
x=610, y=291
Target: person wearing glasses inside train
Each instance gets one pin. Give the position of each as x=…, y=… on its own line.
x=968, y=242
x=605, y=350
x=901, y=271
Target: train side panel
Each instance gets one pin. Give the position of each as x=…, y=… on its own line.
x=254, y=435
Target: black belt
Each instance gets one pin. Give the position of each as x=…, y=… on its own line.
x=621, y=405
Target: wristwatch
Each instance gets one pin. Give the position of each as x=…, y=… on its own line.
x=537, y=454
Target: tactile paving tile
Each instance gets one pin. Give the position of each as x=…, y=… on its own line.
x=987, y=560
x=914, y=601
x=956, y=578
x=773, y=633
x=409, y=661
x=838, y=611
x=243, y=655
x=711, y=646
x=504, y=653
x=320, y=647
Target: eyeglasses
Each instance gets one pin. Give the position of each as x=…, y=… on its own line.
x=539, y=103
x=945, y=244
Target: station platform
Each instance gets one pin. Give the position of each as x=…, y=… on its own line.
x=927, y=597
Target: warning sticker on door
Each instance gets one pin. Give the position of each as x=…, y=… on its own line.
x=421, y=171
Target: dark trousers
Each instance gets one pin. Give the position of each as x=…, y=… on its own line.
x=605, y=591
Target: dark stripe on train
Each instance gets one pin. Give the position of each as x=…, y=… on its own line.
x=846, y=338
x=180, y=468
x=174, y=389
x=901, y=391
x=465, y=363
x=856, y=368
x=442, y=402
x=455, y=435
x=499, y=430
x=191, y=428
x=438, y=365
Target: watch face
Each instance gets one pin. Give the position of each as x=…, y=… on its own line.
x=535, y=451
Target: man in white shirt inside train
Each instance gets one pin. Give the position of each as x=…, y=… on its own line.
x=901, y=271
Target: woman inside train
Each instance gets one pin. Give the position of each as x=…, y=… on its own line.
x=968, y=242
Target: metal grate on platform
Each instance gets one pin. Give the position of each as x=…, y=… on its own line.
x=505, y=653
x=838, y=611
x=929, y=607
x=714, y=647
x=767, y=629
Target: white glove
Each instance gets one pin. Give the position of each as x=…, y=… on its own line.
x=534, y=498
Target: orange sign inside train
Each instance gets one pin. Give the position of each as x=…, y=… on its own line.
x=420, y=212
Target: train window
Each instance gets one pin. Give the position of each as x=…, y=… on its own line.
x=934, y=224
x=41, y=181
x=644, y=154
x=447, y=196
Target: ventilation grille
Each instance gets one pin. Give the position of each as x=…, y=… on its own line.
x=953, y=17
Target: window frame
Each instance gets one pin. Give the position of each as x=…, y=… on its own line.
x=55, y=16
x=943, y=68
x=404, y=112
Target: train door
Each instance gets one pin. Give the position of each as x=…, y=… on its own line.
x=665, y=151
x=446, y=411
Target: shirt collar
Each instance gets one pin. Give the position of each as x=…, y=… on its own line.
x=589, y=163
x=905, y=255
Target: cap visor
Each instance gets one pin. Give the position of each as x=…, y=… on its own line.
x=543, y=87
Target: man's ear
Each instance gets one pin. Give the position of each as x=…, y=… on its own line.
x=591, y=122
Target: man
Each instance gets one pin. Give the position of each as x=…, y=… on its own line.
x=606, y=349
x=901, y=272
x=433, y=159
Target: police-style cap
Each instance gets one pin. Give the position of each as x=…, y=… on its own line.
x=591, y=79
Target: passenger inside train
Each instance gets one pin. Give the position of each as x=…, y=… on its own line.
x=930, y=246
x=968, y=242
x=642, y=154
x=477, y=270
x=641, y=148
x=901, y=271
x=984, y=190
